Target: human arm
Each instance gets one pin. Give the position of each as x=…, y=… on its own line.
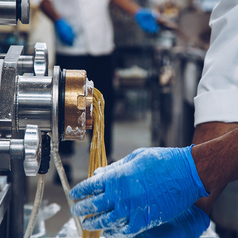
x=117, y=194
x=216, y=107
x=216, y=160
x=203, y=133
x=62, y=27
x=49, y=10
x=145, y=18
x=129, y=6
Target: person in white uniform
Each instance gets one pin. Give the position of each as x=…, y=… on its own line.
x=216, y=104
x=85, y=41
x=151, y=192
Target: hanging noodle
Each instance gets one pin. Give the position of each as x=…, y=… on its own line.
x=97, y=157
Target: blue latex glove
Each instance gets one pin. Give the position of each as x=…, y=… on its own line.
x=146, y=19
x=64, y=31
x=190, y=224
x=145, y=189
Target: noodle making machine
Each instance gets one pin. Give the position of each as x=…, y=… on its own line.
x=33, y=106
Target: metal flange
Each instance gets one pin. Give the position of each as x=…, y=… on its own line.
x=78, y=105
x=55, y=109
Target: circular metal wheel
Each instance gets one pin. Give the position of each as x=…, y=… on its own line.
x=32, y=150
x=25, y=11
x=41, y=59
x=55, y=109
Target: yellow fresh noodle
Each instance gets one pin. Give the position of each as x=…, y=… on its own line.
x=97, y=157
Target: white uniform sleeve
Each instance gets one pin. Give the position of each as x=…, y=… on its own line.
x=217, y=96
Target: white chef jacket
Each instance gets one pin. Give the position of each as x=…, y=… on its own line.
x=217, y=95
x=90, y=20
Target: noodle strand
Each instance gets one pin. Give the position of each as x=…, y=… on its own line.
x=97, y=157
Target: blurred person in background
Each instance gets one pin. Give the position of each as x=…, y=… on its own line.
x=84, y=40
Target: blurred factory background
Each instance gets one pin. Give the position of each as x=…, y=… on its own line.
x=155, y=82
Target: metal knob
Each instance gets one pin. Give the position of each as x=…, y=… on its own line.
x=32, y=150
x=25, y=11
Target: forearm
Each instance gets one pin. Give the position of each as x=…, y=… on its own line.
x=211, y=130
x=216, y=161
x=203, y=133
x=47, y=7
x=127, y=5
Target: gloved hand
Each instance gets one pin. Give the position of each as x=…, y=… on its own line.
x=146, y=19
x=64, y=31
x=145, y=189
x=191, y=223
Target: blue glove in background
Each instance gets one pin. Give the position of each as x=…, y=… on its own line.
x=147, y=20
x=145, y=189
x=64, y=31
x=190, y=224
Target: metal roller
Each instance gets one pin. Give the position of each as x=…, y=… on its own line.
x=13, y=10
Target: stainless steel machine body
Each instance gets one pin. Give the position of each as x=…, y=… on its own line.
x=29, y=96
x=33, y=103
